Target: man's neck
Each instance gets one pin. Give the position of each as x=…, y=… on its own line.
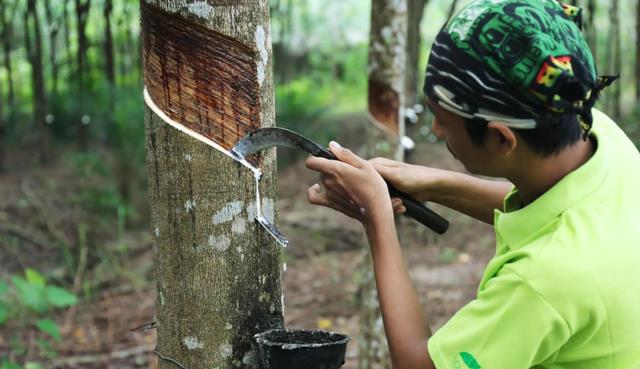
x=544, y=172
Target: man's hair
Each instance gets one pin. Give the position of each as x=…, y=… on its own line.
x=551, y=135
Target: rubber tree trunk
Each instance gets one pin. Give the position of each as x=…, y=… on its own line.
x=386, y=101
x=109, y=70
x=638, y=55
x=592, y=38
x=82, y=16
x=53, y=28
x=33, y=43
x=217, y=273
x=3, y=105
x=413, y=73
x=614, y=58
x=387, y=63
x=67, y=33
x=7, y=34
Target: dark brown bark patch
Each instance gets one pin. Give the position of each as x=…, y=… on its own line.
x=201, y=78
x=384, y=104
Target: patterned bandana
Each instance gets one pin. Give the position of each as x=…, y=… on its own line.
x=516, y=61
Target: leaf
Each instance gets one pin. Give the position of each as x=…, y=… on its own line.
x=4, y=311
x=31, y=295
x=3, y=288
x=33, y=277
x=469, y=360
x=10, y=365
x=59, y=297
x=49, y=326
x=32, y=365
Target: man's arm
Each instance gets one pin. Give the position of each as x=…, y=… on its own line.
x=406, y=327
x=464, y=193
x=353, y=187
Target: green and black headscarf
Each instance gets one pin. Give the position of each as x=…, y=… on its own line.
x=516, y=61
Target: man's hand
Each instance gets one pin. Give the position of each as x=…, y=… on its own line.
x=415, y=180
x=467, y=194
x=352, y=186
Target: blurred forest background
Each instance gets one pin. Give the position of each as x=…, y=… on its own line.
x=75, y=260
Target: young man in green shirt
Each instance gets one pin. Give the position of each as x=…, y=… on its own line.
x=512, y=86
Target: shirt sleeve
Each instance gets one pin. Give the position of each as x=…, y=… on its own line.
x=508, y=326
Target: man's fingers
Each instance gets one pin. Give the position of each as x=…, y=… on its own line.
x=345, y=155
x=385, y=167
x=380, y=161
x=320, y=164
x=398, y=206
x=316, y=196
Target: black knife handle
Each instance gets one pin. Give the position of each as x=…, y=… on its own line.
x=419, y=212
x=415, y=209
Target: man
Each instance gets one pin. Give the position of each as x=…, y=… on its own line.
x=512, y=85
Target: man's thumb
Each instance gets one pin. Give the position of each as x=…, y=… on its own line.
x=344, y=155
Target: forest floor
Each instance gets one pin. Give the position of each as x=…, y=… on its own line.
x=325, y=263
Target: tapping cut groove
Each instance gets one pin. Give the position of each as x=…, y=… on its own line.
x=200, y=78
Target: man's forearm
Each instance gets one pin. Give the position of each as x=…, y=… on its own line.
x=470, y=195
x=406, y=327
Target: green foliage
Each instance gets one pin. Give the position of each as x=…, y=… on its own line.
x=59, y=297
x=35, y=294
x=24, y=303
x=6, y=364
x=32, y=365
x=50, y=327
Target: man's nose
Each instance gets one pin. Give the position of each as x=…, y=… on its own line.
x=436, y=129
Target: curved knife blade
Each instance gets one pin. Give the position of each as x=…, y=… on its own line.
x=275, y=136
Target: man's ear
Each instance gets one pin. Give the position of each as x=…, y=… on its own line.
x=504, y=138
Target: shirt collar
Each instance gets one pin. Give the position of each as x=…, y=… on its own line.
x=515, y=225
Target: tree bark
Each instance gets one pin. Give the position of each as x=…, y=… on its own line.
x=218, y=274
x=7, y=34
x=3, y=117
x=82, y=15
x=386, y=102
x=109, y=67
x=414, y=41
x=53, y=28
x=615, y=58
x=67, y=33
x=592, y=38
x=387, y=63
x=33, y=43
x=638, y=54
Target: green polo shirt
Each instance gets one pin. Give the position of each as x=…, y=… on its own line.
x=563, y=290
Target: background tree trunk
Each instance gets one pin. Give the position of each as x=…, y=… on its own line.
x=412, y=70
x=53, y=28
x=614, y=59
x=387, y=67
x=7, y=34
x=592, y=38
x=109, y=69
x=33, y=43
x=82, y=15
x=217, y=272
x=638, y=55
x=67, y=33
x=3, y=107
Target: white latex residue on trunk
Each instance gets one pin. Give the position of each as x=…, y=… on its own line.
x=257, y=173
